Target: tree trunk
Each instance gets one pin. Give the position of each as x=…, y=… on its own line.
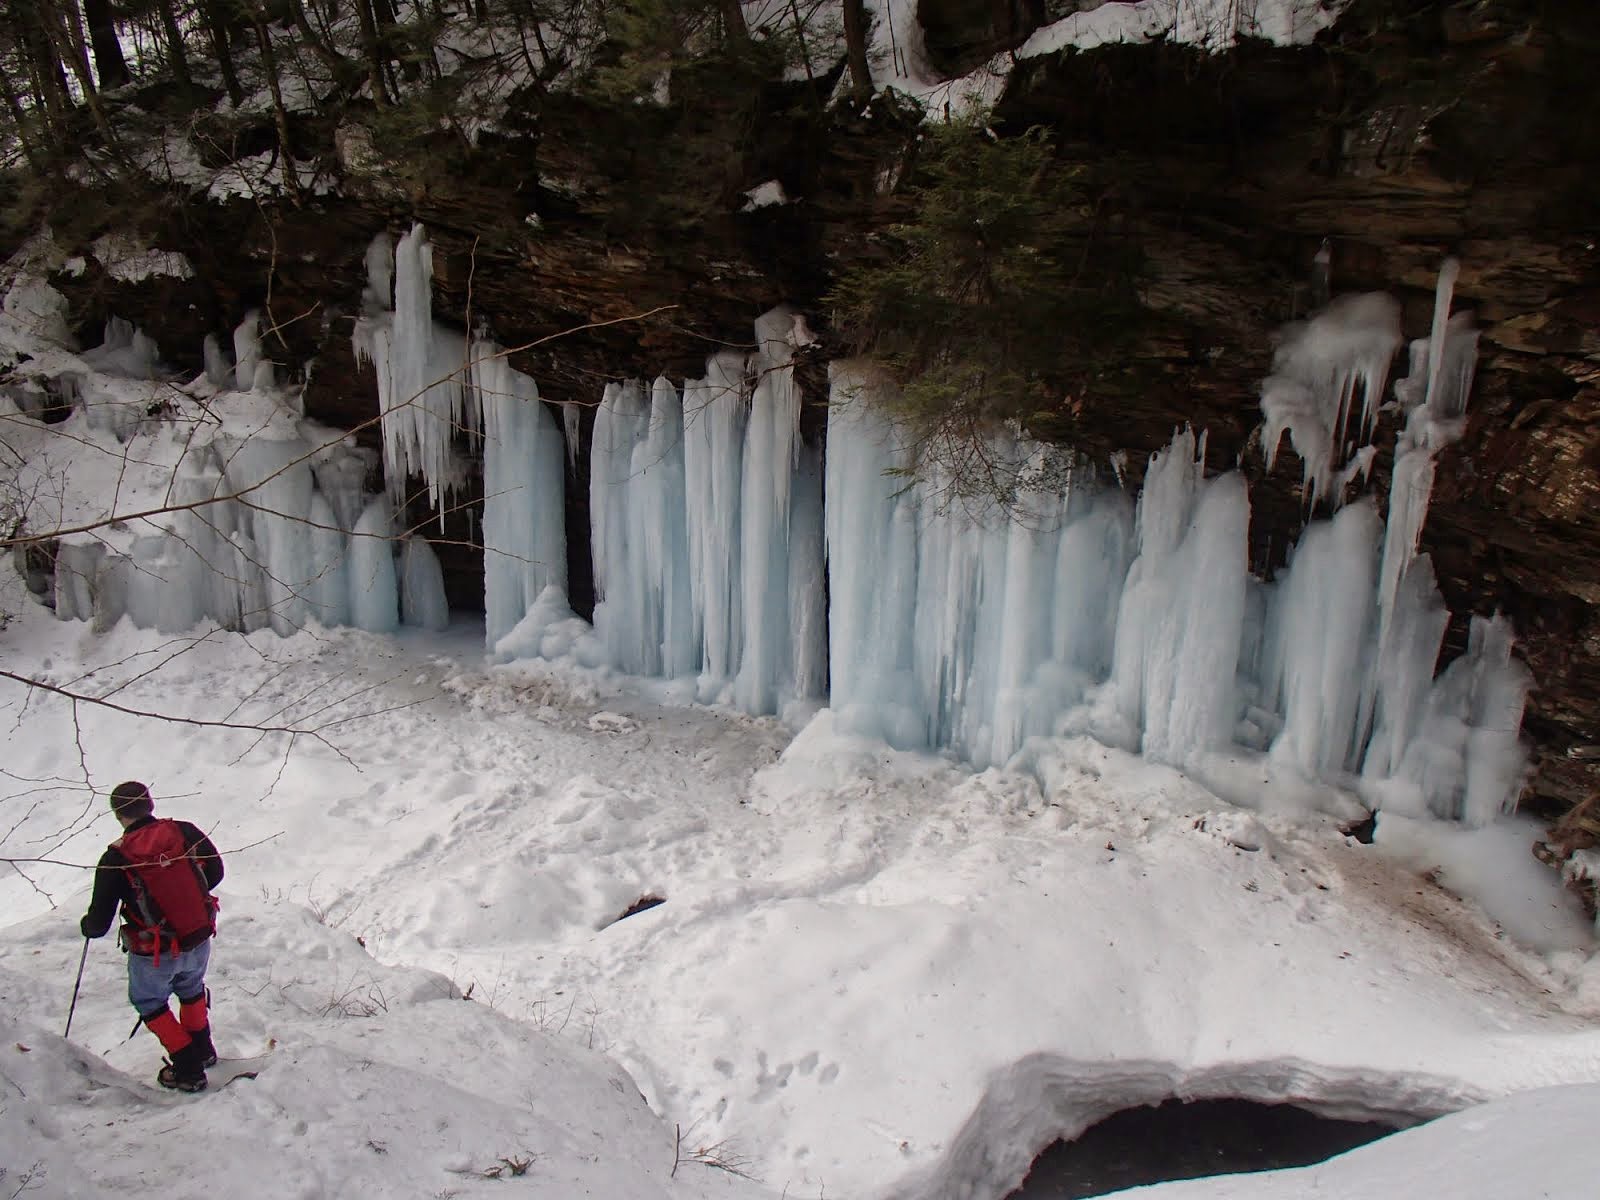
x=387, y=20
x=61, y=24
x=855, y=40
x=109, y=65
x=216, y=24
x=48, y=77
x=176, y=57
x=324, y=51
x=19, y=118
x=369, y=39
x=269, y=62
x=738, y=33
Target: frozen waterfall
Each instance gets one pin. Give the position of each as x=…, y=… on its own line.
x=734, y=557
x=975, y=625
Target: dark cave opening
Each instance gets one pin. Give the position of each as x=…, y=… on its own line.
x=1188, y=1140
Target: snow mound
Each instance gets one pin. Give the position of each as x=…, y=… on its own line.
x=376, y=1081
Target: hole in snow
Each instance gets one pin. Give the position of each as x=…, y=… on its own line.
x=1187, y=1140
x=648, y=900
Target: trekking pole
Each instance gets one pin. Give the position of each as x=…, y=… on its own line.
x=76, y=984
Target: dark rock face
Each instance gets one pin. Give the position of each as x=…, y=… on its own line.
x=1413, y=130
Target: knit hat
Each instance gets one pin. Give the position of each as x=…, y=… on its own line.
x=130, y=797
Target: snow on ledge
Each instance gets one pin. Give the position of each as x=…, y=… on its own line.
x=900, y=59
x=764, y=195
x=124, y=259
x=1210, y=24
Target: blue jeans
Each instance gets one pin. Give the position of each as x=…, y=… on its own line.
x=183, y=974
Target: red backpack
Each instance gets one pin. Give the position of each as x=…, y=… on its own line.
x=173, y=908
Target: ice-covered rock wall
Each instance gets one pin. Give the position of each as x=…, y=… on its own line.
x=975, y=624
x=1048, y=604
x=257, y=517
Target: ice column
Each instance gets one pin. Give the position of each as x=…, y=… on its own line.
x=1404, y=672
x=524, y=506
x=1022, y=704
x=663, y=532
x=1319, y=648
x=1467, y=761
x=422, y=598
x=772, y=440
x=374, y=587
x=274, y=506
x=872, y=545
x=715, y=411
x=621, y=423
x=706, y=526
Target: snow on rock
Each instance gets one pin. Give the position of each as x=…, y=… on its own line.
x=1209, y=24
x=899, y=57
x=127, y=261
x=764, y=195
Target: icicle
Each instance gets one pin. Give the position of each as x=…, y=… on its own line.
x=1444, y=292
x=1317, y=372
x=247, y=350
x=421, y=366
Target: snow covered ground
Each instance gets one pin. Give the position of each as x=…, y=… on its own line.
x=873, y=974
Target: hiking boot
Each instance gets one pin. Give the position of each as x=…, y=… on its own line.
x=186, y=1072
x=207, y=1053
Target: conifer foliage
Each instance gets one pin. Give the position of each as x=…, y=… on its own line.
x=989, y=297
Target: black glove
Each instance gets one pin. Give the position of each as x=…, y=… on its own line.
x=88, y=930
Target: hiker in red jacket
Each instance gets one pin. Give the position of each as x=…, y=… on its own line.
x=162, y=872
